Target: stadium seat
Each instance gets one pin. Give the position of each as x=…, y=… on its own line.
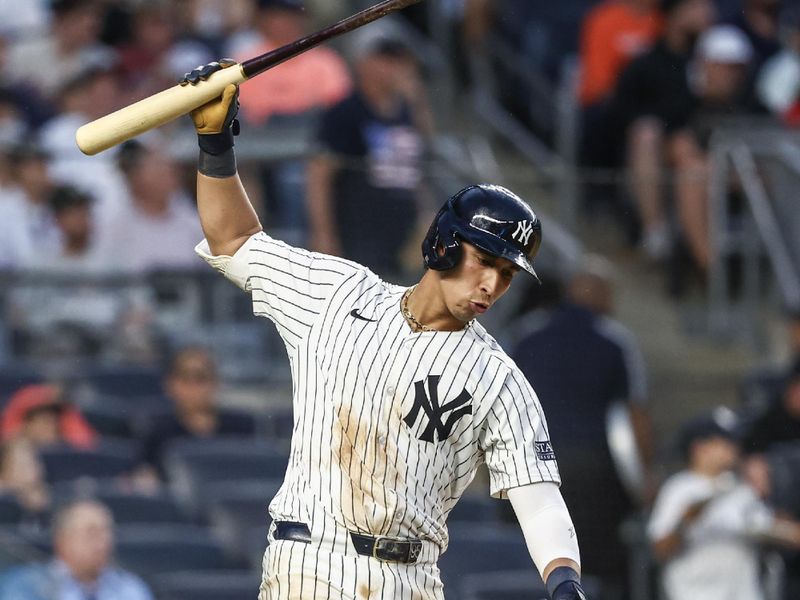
x=16, y=549
x=12, y=379
x=483, y=549
x=109, y=460
x=200, y=585
x=193, y=465
x=131, y=508
x=124, y=381
x=237, y=511
x=10, y=510
x=151, y=550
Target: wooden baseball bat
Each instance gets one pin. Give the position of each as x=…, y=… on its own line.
x=163, y=107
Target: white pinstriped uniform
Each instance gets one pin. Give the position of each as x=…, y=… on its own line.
x=389, y=425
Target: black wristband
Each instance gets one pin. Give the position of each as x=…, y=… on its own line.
x=216, y=143
x=217, y=165
x=561, y=575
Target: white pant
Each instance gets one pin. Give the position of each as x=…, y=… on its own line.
x=329, y=568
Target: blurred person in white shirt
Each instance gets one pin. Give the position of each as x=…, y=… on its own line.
x=90, y=94
x=707, y=524
x=153, y=229
x=46, y=61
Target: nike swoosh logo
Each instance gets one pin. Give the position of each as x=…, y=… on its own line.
x=355, y=314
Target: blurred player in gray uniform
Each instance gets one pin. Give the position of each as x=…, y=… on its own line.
x=399, y=394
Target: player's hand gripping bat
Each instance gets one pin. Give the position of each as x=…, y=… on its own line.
x=170, y=104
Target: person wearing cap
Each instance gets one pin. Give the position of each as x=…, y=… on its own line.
x=653, y=105
x=316, y=79
x=707, y=524
x=720, y=77
x=723, y=57
x=364, y=180
x=39, y=414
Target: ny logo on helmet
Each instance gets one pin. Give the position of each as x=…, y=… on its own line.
x=523, y=232
x=430, y=406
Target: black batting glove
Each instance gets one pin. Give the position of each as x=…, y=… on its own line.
x=564, y=583
x=215, y=121
x=569, y=590
x=203, y=72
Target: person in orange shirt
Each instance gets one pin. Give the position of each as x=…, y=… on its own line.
x=614, y=33
x=316, y=79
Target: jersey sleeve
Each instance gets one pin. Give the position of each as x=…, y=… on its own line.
x=290, y=286
x=515, y=441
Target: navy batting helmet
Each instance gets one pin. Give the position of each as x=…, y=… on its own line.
x=487, y=216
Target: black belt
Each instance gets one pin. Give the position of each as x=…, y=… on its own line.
x=380, y=548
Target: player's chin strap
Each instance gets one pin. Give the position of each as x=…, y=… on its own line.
x=564, y=583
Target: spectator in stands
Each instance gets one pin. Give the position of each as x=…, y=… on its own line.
x=16, y=247
x=760, y=22
x=781, y=421
x=775, y=432
x=364, y=181
x=157, y=227
x=31, y=187
x=582, y=361
x=706, y=524
x=154, y=31
x=192, y=386
x=614, y=33
x=41, y=415
x=779, y=81
x=316, y=79
x=81, y=568
x=77, y=252
x=22, y=476
x=90, y=94
x=292, y=92
x=47, y=61
x=21, y=19
x=221, y=25
x=652, y=107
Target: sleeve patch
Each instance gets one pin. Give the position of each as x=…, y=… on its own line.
x=544, y=451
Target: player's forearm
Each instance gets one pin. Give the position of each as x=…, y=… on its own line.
x=549, y=534
x=226, y=214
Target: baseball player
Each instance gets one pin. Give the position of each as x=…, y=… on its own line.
x=399, y=394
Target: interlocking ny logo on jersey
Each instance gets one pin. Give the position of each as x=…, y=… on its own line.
x=434, y=412
x=523, y=232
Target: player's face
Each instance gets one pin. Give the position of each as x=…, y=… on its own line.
x=476, y=284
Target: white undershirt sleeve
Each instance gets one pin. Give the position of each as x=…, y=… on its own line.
x=545, y=522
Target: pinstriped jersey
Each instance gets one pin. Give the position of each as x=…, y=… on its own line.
x=389, y=424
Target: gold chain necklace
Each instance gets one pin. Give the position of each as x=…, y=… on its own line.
x=407, y=313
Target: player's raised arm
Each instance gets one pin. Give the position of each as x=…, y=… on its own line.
x=226, y=214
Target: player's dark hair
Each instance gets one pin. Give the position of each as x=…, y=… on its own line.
x=130, y=155
x=64, y=197
x=177, y=356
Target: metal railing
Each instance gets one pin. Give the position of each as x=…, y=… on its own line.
x=749, y=155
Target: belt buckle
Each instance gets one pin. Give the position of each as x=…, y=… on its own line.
x=375, y=548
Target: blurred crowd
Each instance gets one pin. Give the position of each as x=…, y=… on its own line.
x=83, y=240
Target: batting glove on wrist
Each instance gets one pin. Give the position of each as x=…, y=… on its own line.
x=215, y=121
x=564, y=583
x=569, y=590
